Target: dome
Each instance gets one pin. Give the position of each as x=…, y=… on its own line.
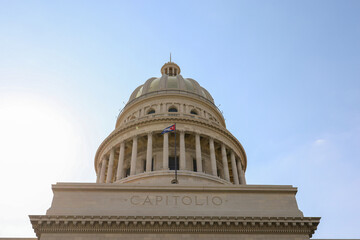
x=139, y=151
x=171, y=81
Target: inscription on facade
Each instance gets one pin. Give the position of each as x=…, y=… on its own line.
x=176, y=200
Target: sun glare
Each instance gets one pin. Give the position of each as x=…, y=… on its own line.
x=36, y=135
x=39, y=146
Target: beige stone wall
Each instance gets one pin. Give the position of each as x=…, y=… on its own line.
x=170, y=200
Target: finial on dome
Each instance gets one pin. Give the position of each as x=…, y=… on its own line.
x=170, y=68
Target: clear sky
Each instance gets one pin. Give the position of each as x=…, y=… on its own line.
x=286, y=75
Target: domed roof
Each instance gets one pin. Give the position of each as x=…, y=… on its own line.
x=171, y=81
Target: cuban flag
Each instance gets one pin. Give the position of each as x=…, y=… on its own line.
x=169, y=129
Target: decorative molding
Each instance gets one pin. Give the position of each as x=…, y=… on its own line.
x=173, y=224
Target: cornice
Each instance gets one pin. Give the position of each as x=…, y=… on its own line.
x=173, y=224
x=178, y=188
x=160, y=119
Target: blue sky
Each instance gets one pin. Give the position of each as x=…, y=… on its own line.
x=285, y=74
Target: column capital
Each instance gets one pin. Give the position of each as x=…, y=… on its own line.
x=150, y=133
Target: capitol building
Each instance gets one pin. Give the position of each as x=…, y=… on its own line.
x=185, y=183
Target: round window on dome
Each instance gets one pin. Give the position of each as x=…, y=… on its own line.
x=193, y=111
x=151, y=111
x=172, y=109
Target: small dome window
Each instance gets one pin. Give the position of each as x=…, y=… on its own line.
x=193, y=111
x=151, y=111
x=173, y=109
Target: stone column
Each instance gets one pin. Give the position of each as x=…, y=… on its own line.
x=120, y=169
x=133, y=157
x=198, y=153
x=212, y=157
x=166, y=152
x=225, y=163
x=110, y=166
x=103, y=170
x=182, y=151
x=234, y=168
x=241, y=172
x=149, y=152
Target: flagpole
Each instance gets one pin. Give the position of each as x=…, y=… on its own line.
x=176, y=181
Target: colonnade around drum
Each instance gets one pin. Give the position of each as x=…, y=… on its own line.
x=220, y=162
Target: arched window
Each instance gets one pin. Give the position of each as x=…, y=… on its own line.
x=173, y=109
x=193, y=111
x=151, y=111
